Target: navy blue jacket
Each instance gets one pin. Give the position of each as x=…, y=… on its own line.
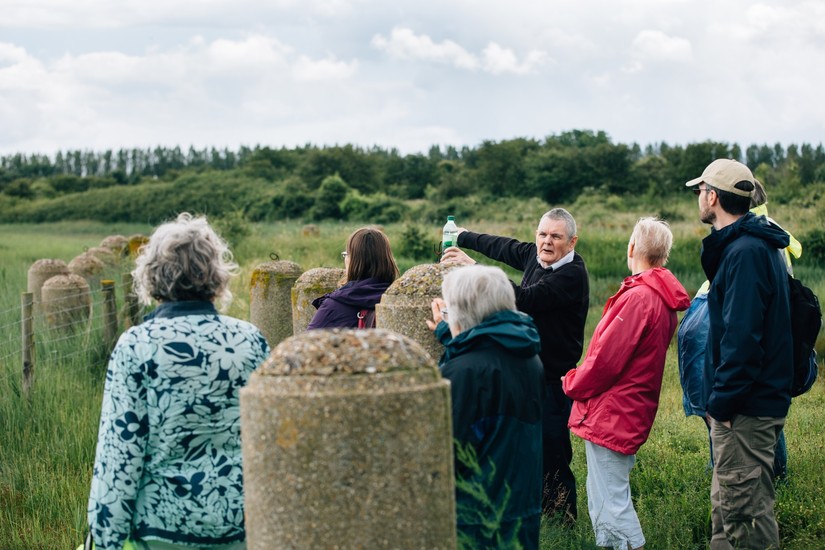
x=339, y=309
x=557, y=300
x=749, y=357
x=496, y=381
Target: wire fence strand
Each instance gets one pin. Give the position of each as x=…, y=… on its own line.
x=65, y=328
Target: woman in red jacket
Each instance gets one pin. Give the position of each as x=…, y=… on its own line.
x=616, y=389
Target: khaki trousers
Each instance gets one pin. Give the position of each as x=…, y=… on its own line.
x=741, y=493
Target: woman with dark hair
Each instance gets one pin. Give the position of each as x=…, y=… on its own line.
x=168, y=472
x=370, y=269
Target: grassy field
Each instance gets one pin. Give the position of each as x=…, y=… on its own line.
x=48, y=437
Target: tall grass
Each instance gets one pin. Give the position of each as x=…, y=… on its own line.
x=47, y=442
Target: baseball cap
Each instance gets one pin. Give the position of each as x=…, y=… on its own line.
x=724, y=174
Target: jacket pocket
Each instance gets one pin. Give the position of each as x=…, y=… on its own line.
x=738, y=489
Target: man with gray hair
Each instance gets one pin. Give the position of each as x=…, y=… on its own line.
x=490, y=357
x=555, y=292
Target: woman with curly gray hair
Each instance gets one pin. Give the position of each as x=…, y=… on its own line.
x=167, y=471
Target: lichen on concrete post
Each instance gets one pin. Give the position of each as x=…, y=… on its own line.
x=270, y=305
x=405, y=306
x=347, y=443
x=312, y=284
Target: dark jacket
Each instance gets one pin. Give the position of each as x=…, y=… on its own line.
x=749, y=358
x=556, y=300
x=497, y=392
x=339, y=309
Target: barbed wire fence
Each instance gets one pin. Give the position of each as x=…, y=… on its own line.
x=79, y=327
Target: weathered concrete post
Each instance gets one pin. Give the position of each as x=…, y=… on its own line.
x=270, y=305
x=117, y=244
x=40, y=272
x=347, y=443
x=405, y=306
x=105, y=255
x=312, y=284
x=134, y=244
x=67, y=302
x=88, y=266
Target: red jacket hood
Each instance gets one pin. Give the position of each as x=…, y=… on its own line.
x=660, y=280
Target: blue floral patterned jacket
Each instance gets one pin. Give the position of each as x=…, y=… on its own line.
x=168, y=464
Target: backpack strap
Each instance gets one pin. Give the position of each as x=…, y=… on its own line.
x=366, y=318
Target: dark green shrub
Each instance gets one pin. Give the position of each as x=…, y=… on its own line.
x=416, y=245
x=328, y=198
x=813, y=247
x=232, y=226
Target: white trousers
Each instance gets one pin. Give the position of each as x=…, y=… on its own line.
x=614, y=519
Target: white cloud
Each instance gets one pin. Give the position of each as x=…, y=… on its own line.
x=108, y=14
x=178, y=95
x=495, y=59
x=247, y=55
x=405, y=44
x=651, y=45
x=308, y=70
x=498, y=60
x=407, y=73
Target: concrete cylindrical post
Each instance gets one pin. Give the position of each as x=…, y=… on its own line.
x=67, y=302
x=116, y=243
x=312, y=284
x=88, y=266
x=134, y=244
x=405, y=306
x=270, y=305
x=40, y=272
x=104, y=254
x=347, y=443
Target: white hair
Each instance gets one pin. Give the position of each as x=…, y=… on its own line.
x=475, y=292
x=563, y=215
x=653, y=240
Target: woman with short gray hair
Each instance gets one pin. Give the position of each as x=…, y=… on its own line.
x=497, y=386
x=167, y=471
x=615, y=390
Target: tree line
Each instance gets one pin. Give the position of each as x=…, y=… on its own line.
x=349, y=182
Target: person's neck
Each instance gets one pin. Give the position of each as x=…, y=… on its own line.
x=724, y=219
x=638, y=265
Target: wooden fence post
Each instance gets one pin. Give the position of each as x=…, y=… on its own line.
x=131, y=309
x=109, y=314
x=27, y=324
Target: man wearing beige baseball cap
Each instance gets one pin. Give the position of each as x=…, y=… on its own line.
x=748, y=362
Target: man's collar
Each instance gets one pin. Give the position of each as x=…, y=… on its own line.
x=566, y=259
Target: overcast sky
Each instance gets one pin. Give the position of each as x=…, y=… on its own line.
x=106, y=74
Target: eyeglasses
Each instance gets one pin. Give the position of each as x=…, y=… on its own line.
x=698, y=190
x=344, y=255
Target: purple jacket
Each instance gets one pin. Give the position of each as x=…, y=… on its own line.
x=339, y=309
